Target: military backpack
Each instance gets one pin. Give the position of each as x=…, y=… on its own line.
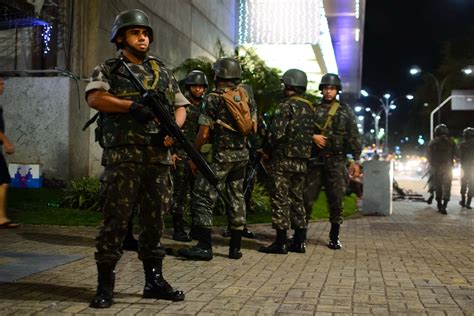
x=237, y=103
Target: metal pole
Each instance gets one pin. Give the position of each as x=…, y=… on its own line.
x=377, y=142
x=440, y=106
x=386, y=129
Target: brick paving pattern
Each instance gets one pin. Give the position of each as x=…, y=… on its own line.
x=415, y=262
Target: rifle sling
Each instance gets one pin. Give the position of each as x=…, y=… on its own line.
x=91, y=121
x=332, y=112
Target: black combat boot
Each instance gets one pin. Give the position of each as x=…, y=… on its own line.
x=439, y=205
x=246, y=233
x=334, y=242
x=203, y=249
x=468, y=203
x=179, y=234
x=279, y=246
x=444, y=206
x=129, y=242
x=298, y=243
x=430, y=198
x=235, y=243
x=155, y=285
x=104, y=296
x=226, y=232
x=463, y=200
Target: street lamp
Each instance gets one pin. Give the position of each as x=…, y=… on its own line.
x=386, y=106
x=416, y=70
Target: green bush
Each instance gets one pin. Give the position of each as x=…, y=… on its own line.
x=260, y=200
x=82, y=194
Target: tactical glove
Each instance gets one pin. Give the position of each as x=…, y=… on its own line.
x=141, y=113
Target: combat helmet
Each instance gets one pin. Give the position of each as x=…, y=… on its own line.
x=130, y=18
x=468, y=133
x=330, y=79
x=295, y=78
x=441, y=129
x=196, y=77
x=227, y=68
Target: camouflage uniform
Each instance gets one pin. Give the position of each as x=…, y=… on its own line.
x=183, y=179
x=229, y=159
x=289, y=145
x=441, y=153
x=137, y=172
x=466, y=149
x=328, y=166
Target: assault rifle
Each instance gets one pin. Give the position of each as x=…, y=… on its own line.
x=167, y=122
x=250, y=178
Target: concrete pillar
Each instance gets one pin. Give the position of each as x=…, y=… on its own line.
x=378, y=179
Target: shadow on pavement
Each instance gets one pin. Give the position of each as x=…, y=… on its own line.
x=59, y=239
x=43, y=291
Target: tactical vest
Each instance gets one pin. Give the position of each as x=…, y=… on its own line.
x=334, y=128
x=191, y=126
x=467, y=153
x=442, y=150
x=119, y=129
x=300, y=128
x=225, y=137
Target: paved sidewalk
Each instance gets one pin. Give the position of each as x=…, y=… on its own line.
x=416, y=261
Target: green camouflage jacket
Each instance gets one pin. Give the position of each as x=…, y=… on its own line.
x=342, y=133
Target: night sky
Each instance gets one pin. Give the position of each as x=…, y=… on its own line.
x=402, y=33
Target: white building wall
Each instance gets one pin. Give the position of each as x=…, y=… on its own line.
x=45, y=115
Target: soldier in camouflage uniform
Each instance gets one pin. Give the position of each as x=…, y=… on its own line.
x=441, y=153
x=136, y=160
x=183, y=179
x=336, y=136
x=289, y=147
x=466, y=151
x=229, y=155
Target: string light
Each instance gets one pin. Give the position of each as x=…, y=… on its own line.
x=47, y=29
x=279, y=21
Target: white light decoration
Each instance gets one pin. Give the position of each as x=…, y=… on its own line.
x=46, y=34
x=279, y=21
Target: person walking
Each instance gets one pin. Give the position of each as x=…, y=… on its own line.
x=5, y=178
x=441, y=154
x=466, y=152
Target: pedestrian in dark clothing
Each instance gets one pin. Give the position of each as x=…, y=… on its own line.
x=466, y=152
x=441, y=154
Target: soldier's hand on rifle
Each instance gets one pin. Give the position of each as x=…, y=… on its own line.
x=192, y=166
x=263, y=154
x=168, y=141
x=319, y=140
x=174, y=158
x=141, y=113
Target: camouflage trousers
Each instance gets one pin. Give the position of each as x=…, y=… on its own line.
x=467, y=181
x=123, y=186
x=183, y=182
x=231, y=181
x=287, y=200
x=442, y=178
x=332, y=174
